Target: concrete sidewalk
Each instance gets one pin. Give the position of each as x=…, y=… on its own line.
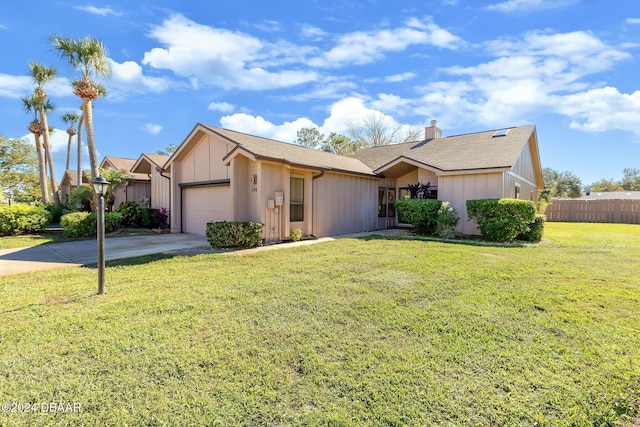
x=85, y=252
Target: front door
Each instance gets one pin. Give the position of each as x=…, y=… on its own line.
x=386, y=207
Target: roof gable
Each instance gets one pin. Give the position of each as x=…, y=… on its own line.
x=147, y=162
x=123, y=163
x=474, y=151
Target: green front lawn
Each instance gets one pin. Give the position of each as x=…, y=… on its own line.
x=376, y=331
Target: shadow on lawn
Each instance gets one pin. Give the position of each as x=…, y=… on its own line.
x=466, y=240
x=128, y=262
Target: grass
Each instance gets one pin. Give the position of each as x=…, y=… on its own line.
x=54, y=235
x=350, y=332
x=50, y=235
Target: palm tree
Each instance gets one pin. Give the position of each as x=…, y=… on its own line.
x=80, y=151
x=72, y=119
x=32, y=105
x=41, y=74
x=90, y=57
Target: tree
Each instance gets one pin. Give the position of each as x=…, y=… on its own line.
x=561, y=184
x=116, y=178
x=71, y=119
x=631, y=180
x=606, y=185
x=309, y=137
x=89, y=56
x=169, y=150
x=340, y=144
x=40, y=75
x=334, y=143
x=374, y=131
x=18, y=169
x=79, y=171
x=32, y=105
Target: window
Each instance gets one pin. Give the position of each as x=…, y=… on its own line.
x=386, y=202
x=517, y=196
x=296, y=203
x=406, y=194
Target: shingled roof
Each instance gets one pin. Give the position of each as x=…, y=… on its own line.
x=147, y=161
x=123, y=163
x=473, y=151
x=295, y=155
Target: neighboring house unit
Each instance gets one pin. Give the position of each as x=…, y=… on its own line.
x=70, y=182
x=219, y=174
x=137, y=187
x=151, y=165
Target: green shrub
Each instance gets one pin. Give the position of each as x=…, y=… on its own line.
x=76, y=225
x=84, y=224
x=502, y=220
x=536, y=230
x=447, y=221
x=296, y=235
x=131, y=214
x=21, y=218
x=81, y=198
x=56, y=210
x=234, y=234
x=422, y=214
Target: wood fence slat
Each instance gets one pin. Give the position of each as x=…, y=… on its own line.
x=610, y=211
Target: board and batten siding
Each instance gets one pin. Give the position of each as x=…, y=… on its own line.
x=344, y=204
x=523, y=175
x=457, y=189
x=204, y=162
x=159, y=190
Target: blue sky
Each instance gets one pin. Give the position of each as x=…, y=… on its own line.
x=570, y=67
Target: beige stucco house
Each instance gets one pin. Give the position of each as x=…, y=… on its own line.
x=137, y=187
x=159, y=181
x=223, y=175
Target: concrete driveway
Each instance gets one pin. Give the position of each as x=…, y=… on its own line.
x=85, y=252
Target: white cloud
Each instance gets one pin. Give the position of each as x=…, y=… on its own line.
x=343, y=113
x=633, y=21
x=530, y=75
x=366, y=47
x=257, y=125
x=223, y=107
x=400, y=77
x=529, y=5
x=152, y=128
x=102, y=11
x=15, y=86
x=222, y=57
x=312, y=33
x=603, y=109
x=128, y=76
x=3, y=27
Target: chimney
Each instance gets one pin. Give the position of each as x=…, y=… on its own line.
x=432, y=132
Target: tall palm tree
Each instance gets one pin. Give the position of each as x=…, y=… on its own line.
x=32, y=105
x=72, y=119
x=79, y=182
x=40, y=75
x=89, y=56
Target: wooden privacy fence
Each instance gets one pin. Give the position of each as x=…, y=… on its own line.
x=614, y=211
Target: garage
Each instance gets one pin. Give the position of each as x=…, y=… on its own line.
x=204, y=204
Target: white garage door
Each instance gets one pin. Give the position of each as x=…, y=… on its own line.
x=205, y=204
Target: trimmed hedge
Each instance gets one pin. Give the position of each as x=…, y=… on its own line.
x=234, y=234
x=20, y=218
x=131, y=214
x=502, y=220
x=84, y=224
x=536, y=230
x=422, y=214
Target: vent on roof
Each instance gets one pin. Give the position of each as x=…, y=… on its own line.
x=501, y=132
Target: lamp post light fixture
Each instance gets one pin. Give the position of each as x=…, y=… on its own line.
x=100, y=186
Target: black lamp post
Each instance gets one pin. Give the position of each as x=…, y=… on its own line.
x=100, y=186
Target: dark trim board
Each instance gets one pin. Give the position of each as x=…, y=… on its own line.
x=214, y=183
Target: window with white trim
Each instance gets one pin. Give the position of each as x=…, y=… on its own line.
x=296, y=199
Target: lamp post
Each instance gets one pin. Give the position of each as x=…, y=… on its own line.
x=100, y=186
x=10, y=196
